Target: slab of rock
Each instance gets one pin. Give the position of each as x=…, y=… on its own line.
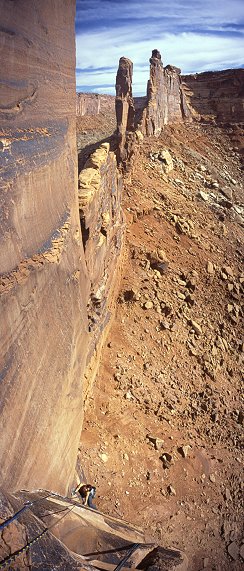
x=167, y=460
x=157, y=442
x=227, y=192
x=233, y=550
x=125, y=109
x=197, y=328
x=171, y=490
x=218, y=94
x=210, y=268
x=148, y=305
x=228, y=271
x=44, y=285
x=166, y=99
x=104, y=457
x=203, y=195
x=183, y=450
x=56, y=260
x=166, y=160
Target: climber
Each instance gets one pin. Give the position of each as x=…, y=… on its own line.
x=87, y=493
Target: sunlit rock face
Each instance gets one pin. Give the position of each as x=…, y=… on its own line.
x=218, y=94
x=44, y=283
x=59, y=252
x=87, y=104
x=124, y=106
x=100, y=190
x=166, y=102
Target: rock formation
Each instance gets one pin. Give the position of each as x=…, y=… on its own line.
x=165, y=99
x=124, y=106
x=58, y=265
x=100, y=187
x=165, y=103
x=87, y=104
x=44, y=282
x=216, y=94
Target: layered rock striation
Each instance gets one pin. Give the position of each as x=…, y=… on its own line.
x=58, y=252
x=216, y=94
x=44, y=285
x=165, y=99
x=87, y=104
x=100, y=189
x=164, y=103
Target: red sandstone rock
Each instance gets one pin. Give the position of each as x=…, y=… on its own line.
x=87, y=104
x=124, y=104
x=100, y=186
x=166, y=103
x=56, y=285
x=43, y=284
x=218, y=94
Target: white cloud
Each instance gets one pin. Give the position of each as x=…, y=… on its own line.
x=203, y=13
x=190, y=51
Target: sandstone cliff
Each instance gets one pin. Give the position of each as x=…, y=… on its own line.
x=87, y=104
x=58, y=253
x=100, y=189
x=44, y=282
x=165, y=99
x=164, y=103
x=218, y=94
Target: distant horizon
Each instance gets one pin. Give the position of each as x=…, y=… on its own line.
x=87, y=91
x=194, y=35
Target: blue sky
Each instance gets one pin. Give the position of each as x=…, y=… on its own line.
x=195, y=35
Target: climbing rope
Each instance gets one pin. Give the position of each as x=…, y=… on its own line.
x=123, y=561
x=12, y=557
x=15, y=516
x=26, y=506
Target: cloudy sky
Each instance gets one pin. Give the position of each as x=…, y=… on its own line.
x=195, y=35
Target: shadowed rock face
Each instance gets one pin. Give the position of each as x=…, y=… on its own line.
x=100, y=188
x=43, y=283
x=218, y=94
x=77, y=538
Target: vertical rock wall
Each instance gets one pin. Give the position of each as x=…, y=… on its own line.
x=124, y=106
x=87, y=104
x=100, y=187
x=165, y=103
x=165, y=98
x=216, y=94
x=44, y=284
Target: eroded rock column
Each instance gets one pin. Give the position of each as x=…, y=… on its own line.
x=166, y=100
x=44, y=284
x=124, y=106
